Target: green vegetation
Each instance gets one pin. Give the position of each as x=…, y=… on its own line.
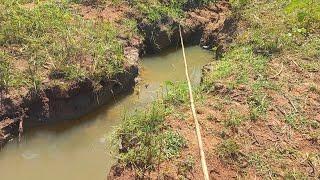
x=236, y=65
x=258, y=106
x=177, y=93
x=186, y=166
x=234, y=119
x=146, y=140
x=156, y=10
x=278, y=47
x=274, y=57
x=228, y=149
x=48, y=40
x=268, y=73
x=7, y=76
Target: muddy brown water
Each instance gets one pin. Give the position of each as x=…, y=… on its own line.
x=81, y=150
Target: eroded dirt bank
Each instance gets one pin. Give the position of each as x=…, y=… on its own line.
x=206, y=26
x=54, y=105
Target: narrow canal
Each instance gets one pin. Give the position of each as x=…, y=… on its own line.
x=80, y=150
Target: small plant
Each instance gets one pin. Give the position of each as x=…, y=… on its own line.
x=260, y=164
x=186, y=166
x=258, y=106
x=234, y=119
x=211, y=117
x=228, y=149
x=315, y=136
x=173, y=143
x=314, y=88
x=295, y=175
x=291, y=119
x=177, y=93
x=146, y=140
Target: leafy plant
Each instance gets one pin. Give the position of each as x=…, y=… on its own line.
x=228, y=149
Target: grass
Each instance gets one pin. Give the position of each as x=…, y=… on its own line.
x=7, y=77
x=260, y=164
x=234, y=119
x=295, y=175
x=49, y=40
x=146, y=140
x=228, y=149
x=258, y=104
x=236, y=66
x=157, y=10
x=186, y=166
x=177, y=93
x=52, y=39
x=272, y=33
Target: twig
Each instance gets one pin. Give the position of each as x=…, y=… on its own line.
x=282, y=111
x=291, y=103
x=273, y=77
x=294, y=62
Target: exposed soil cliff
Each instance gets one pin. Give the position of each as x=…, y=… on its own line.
x=205, y=26
x=54, y=104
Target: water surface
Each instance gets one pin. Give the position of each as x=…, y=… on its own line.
x=79, y=150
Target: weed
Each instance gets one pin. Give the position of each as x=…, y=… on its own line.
x=91, y=2
x=315, y=136
x=259, y=164
x=145, y=139
x=236, y=67
x=291, y=119
x=295, y=175
x=177, y=93
x=258, y=106
x=186, y=166
x=157, y=10
x=228, y=149
x=211, y=117
x=234, y=119
x=173, y=143
x=131, y=27
x=8, y=78
x=305, y=14
x=180, y=116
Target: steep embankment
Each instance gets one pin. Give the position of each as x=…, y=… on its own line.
x=52, y=83
x=63, y=66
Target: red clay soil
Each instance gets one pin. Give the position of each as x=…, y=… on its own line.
x=284, y=143
x=266, y=148
x=79, y=98
x=45, y=106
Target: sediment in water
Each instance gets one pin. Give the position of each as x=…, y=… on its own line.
x=208, y=26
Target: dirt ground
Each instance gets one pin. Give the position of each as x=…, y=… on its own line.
x=281, y=142
x=268, y=147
